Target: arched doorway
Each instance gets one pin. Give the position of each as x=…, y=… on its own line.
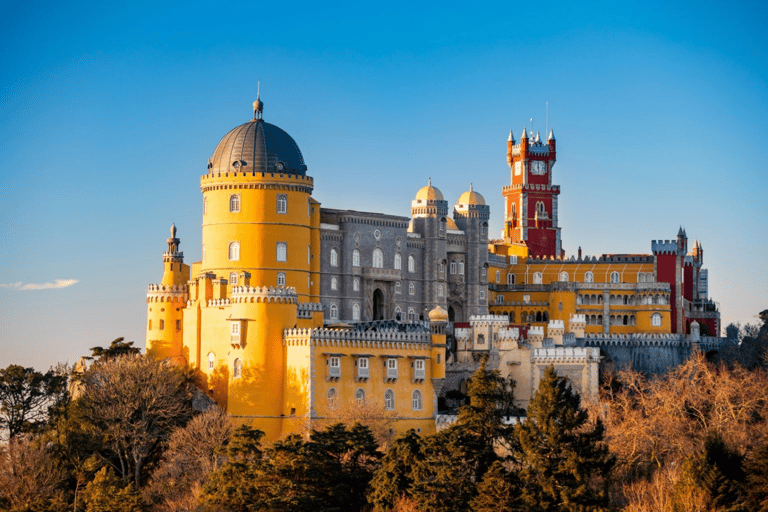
x=451, y=314
x=378, y=304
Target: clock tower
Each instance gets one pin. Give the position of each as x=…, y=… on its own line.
x=530, y=200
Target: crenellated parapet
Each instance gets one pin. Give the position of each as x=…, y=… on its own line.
x=306, y=309
x=479, y=321
x=509, y=333
x=565, y=355
x=664, y=246
x=256, y=180
x=386, y=339
x=167, y=293
x=638, y=339
x=254, y=294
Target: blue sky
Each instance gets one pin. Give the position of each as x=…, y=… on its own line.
x=110, y=112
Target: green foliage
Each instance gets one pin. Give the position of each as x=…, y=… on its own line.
x=117, y=348
x=395, y=476
x=26, y=397
x=564, y=462
x=756, y=467
x=107, y=493
x=499, y=491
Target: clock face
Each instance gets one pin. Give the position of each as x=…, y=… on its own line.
x=280, y=166
x=538, y=167
x=518, y=168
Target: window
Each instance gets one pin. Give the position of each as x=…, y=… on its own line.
x=360, y=396
x=440, y=291
x=281, y=279
x=654, y=300
x=483, y=228
x=363, y=369
x=378, y=258
x=483, y=272
x=356, y=285
x=526, y=299
x=282, y=203
x=498, y=276
x=398, y=287
x=211, y=360
x=441, y=267
x=389, y=400
x=453, y=267
x=614, y=277
x=411, y=289
x=356, y=258
x=482, y=294
x=334, y=257
x=411, y=264
x=398, y=261
x=178, y=325
x=234, y=251
x=418, y=370
x=233, y=278
x=499, y=299
x=416, y=400
x=234, y=332
x=237, y=369
x=334, y=367
x=461, y=268
x=282, y=251
x=333, y=398
x=334, y=312
x=356, y=312
x=441, y=225
x=234, y=203
x=398, y=313
x=391, y=368
x=537, y=278
x=411, y=314
x=510, y=278
x=656, y=320
x=564, y=276
x=162, y=325
x=334, y=283
x=589, y=277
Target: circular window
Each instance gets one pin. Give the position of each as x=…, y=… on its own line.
x=357, y=237
x=398, y=241
x=377, y=234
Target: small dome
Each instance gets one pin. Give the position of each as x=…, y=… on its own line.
x=438, y=315
x=257, y=146
x=429, y=193
x=451, y=224
x=471, y=197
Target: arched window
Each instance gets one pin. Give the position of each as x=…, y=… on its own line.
x=360, y=396
x=564, y=276
x=540, y=210
x=614, y=277
x=440, y=291
x=411, y=314
x=398, y=288
x=356, y=258
x=234, y=203
x=334, y=257
x=378, y=258
x=334, y=283
x=398, y=261
x=234, y=251
x=237, y=369
x=510, y=278
x=411, y=289
x=498, y=276
x=334, y=312
x=589, y=277
x=537, y=278
x=282, y=251
x=461, y=268
x=441, y=267
x=483, y=228
x=233, y=278
x=416, y=400
x=356, y=311
x=452, y=267
x=389, y=400
x=411, y=264
x=656, y=320
x=655, y=300
x=333, y=398
x=356, y=285
x=211, y=360
x=282, y=203
x=398, y=313
x=281, y=279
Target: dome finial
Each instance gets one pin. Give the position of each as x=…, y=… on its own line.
x=470, y=187
x=173, y=230
x=258, y=105
x=429, y=181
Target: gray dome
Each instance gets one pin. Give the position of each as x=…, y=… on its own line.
x=257, y=146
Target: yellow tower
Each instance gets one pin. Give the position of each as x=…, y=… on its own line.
x=165, y=305
x=257, y=210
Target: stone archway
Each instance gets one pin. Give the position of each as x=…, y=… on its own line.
x=456, y=313
x=378, y=304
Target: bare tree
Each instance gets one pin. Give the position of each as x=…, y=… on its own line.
x=192, y=455
x=135, y=403
x=29, y=477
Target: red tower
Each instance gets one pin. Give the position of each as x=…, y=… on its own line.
x=530, y=200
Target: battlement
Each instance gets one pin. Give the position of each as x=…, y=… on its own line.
x=509, y=333
x=488, y=319
x=385, y=338
x=556, y=324
x=638, y=339
x=276, y=294
x=536, y=330
x=167, y=293
x=563, y=354
x=664, y=246
x=217, y=303
x=305, y=309
x=578, y=319
x=256, y=180
x=462, y=333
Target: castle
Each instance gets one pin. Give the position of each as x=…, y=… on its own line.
x=296, y=310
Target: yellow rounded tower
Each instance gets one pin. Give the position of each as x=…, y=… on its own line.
x=257, y=210
x=165, y=305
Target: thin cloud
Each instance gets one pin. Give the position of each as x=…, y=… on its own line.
x=59, y=283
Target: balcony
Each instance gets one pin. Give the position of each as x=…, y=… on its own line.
x=382, y=274
x=334, y=372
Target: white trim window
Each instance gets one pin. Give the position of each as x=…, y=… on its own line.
x=334, y=283
x=334, y=312
x=378, y=258
x=416, y=400
x=211, y=360
x=282, y=203
x=233, y=278
x=360, y=397
x=499, y=299
x=461, y=268
x=391, y=368
x=411, y=264
x=234, y=251
x=389, y=400
x=498, y=276
x=398, y=261
x=614, y=277
x=537, y=278
x=356, y=258
x=589, y=277
x=510, y=278
x=356, y=312
x=334, y=367
x=282, y=251
x=281, y=279
x=363, y=368
x=356, y=285
x=234, y=332
x=411, y=289
x=234, y=203
x=440, y=291
x=419, y=371
x=564, y=277
x=656, y=320
x=411, y=314
x=332, y=398
x=334, y=257
x=453, y=268
x=398, y=287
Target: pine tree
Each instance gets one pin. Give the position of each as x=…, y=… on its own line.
x=757, y=479
x=499, y=491
x=395, y=476
x=563, y=461
x=107, y=493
